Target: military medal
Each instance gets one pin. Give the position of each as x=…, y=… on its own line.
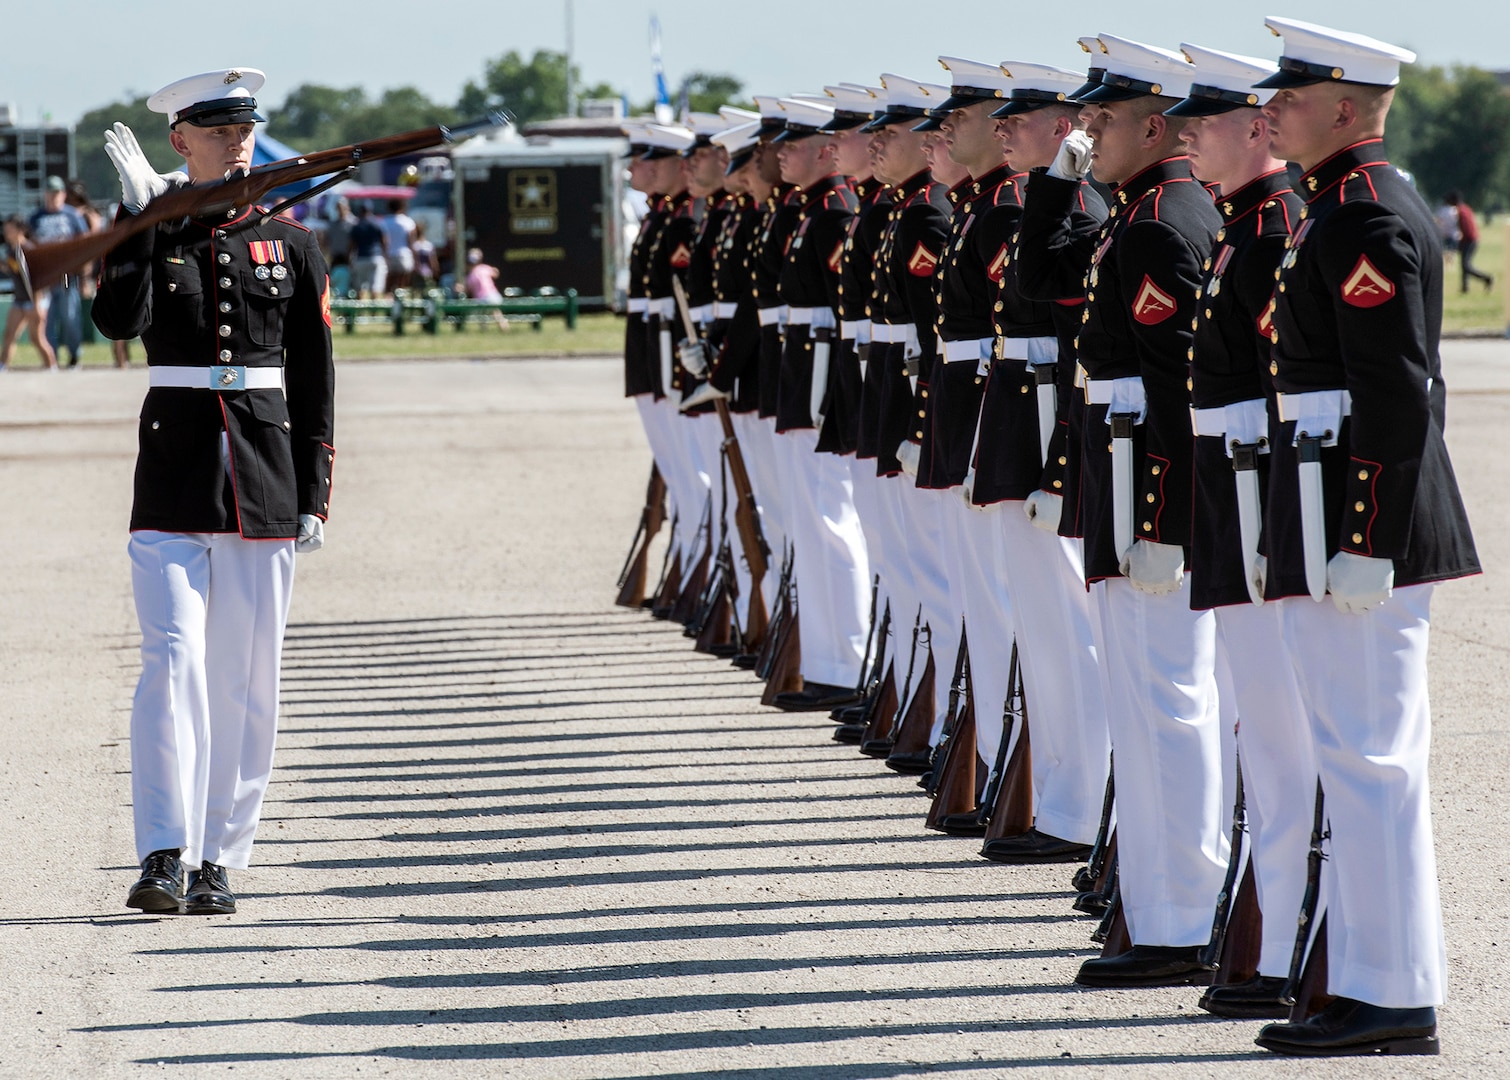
x=279, y=272
x=263, y=273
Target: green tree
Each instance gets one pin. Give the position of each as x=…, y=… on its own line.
x=706, y=91
x=314, y=116
x=151, y=130
x=1451, y=129
x=402, y=109
x=533, y=89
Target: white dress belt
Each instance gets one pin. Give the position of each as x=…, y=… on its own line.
x=1243, y=423
x=1035, y=350
x=893, y=332
x=816, y=317
x=772, y=316
x=638, y=305
x=857, y=330
x=219, y=377
x=702, y=314
x=725, y=309
x=976, y=349
x=1317, y=414
x=1120, y=395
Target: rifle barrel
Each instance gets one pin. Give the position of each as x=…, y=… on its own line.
x=47, y=264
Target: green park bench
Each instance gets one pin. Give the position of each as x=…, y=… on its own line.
x=435, y=307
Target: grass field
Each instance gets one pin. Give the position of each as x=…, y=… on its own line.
x=1478, y=312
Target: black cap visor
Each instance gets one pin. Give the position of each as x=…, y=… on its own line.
x=740, y=160
x=794, y=132
x=846, y=121
x=1294, y=72
x=237, y=110
x=896, y=114
x=1212, y=101
x=1026, y=100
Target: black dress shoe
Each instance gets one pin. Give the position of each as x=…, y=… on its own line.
x=849, y=733
x=161, y=886
x=966, y=824
x=851, y=714
x=1256, y=999
x=1347, y=1027
x=745, y=661
x=911, y=764
x=814, y=697
x=1146, y=965
x=877, y=748
x=724, y=651
x=1033, y=847
x=1084, y=880
x=209, y=892
x=1091, y=902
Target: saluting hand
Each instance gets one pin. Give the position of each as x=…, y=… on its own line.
x=1074, y=158
x=140, y=182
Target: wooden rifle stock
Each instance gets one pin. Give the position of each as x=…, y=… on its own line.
x=1211, y=956
x=1012, y=809
x=47, y=264
x=746, y=511
x=632, y=578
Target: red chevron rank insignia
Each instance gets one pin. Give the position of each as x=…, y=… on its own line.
x=837, y=258
x=998, y=268
x=923, y=262
x=1366, y=287
x=1266, y=321
x=1153, y=305
x=325, y=301
x=681, y=258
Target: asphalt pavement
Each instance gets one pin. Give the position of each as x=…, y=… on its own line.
x=518, y=831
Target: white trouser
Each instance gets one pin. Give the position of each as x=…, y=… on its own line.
x=864, y=484
x=1162, y=716
x=1066, y=707
x=833, y=572
x=212, y=609
x=684, y=501
x=980, y=585
x=766, y=479
x=1363, y=681
x=1279, y=769
x=926, y=511
x=900, y=573
x=700, y=436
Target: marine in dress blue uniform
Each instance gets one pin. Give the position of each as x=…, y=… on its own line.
x=1356, y=328
x=234, y=469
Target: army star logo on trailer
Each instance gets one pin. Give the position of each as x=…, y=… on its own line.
x=1366, y=287
x=1153, y=305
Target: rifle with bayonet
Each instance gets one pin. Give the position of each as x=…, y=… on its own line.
x=47, y=264
x=746, y=510
x=632, y=577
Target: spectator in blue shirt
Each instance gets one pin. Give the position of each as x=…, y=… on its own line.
x=54, y=221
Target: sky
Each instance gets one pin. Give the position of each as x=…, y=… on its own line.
x=87, y=53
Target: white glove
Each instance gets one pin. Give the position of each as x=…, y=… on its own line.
x=140, y=182
x=1156, y=569
x=1074, y=158
x=694, y=356
x=704, y=394
x=1258, y=575
x=311, y=533
x=1358, y=583
x=910, y=454
x=967, y=491
x=1043, y=509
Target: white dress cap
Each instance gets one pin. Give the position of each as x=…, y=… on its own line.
x=1222, y=82
x=223, y=96
x=1315, y=54
x=1134, y=70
